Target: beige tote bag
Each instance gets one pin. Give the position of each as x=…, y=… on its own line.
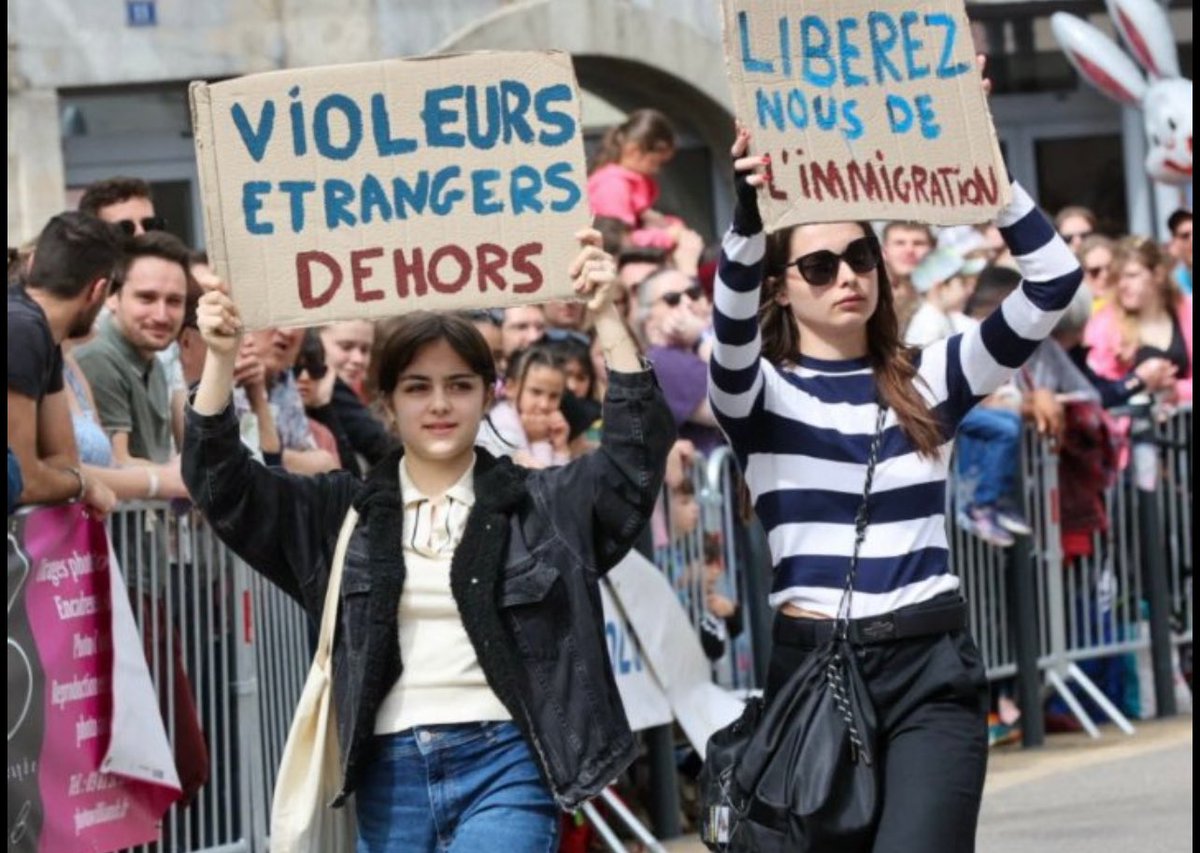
x=310, y=772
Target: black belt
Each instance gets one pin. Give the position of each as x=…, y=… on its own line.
x=939, y=616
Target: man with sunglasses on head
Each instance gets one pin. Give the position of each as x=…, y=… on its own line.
x=672, y=322
x=125, y=202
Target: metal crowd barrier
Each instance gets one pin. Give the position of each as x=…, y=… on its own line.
x=225, y=642
x=183, y=586
x=229, y=652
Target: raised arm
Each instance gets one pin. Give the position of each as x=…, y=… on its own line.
x=735, y=369
x=611, y=491
x=981, y=360
x=283, y=525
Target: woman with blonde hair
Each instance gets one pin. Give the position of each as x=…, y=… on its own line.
x=1146, y=319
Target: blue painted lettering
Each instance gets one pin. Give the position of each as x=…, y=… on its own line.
x=436, y=116
x=524, y=187
x=769, y=107
x=752, y=65
x=900, y=114
x=912, y=46
x=406, y=196
x=558, y=176
x=558, y=125
x=339, y=195
x=296, y=191
x=483, y=194
x=296, y=113
x=322, y=133
x=853, y=124
x=848, y=52
x=381, y=129
x=515, y=101
x=883, y=32
x=930, y=129
x=483, y=137
x=816, y=44
x=797, y=107
x=825, y=111
x=374, y=199
x=443, y=197
x=255, y=139
x=947, y=67
x=252, y=193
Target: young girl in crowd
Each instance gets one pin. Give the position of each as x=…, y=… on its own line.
x=581, y=403
x=800, y=397
x=529, y=425
x=622, y=184
x=471, y=684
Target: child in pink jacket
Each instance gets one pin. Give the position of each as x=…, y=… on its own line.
x=622, y=184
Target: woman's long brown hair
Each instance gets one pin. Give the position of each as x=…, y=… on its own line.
x=892, y=362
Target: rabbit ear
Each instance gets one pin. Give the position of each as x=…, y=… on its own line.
x=1098, y=60
x=1147, y=33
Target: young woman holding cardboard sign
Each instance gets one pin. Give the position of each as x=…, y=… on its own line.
x=470, y=680
x=844, y=435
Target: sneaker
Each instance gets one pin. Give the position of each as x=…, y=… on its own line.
x=1001, y=734
x=986, y=527
x=1012, y=521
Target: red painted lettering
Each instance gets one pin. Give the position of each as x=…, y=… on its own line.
x=522, y=262
x=490, y=259
x=460, y=258
x=304, y=278
x=405, y=270
x=360, y=272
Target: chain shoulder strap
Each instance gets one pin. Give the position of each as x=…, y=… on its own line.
x=861, y=520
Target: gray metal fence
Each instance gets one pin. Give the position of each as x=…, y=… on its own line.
x=229, y=652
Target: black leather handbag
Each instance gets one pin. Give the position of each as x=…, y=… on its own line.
x=799, y=775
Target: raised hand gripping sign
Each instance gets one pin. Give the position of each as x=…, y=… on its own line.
x=868, y=110
x=379, y=188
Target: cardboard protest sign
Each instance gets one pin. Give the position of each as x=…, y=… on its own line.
x=867, y=110
x=375, y=189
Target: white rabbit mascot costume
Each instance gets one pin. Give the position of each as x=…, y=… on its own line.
x=1165, y=98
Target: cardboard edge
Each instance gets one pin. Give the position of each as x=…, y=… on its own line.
x=553, y=54
x=200, y=101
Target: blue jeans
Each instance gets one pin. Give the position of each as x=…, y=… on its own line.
x=989, y=450
x=454, y=788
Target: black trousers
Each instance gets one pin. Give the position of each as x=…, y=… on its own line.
x=931, y=698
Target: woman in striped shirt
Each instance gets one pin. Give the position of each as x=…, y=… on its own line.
x=807, y=350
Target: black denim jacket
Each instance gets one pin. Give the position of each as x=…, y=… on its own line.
x=524, y=575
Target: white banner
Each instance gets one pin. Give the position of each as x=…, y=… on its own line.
x=670, y=650
x=645, y=702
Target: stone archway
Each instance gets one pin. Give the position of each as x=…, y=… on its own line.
x=631, y=57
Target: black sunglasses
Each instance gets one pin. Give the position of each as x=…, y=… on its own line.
x=1076, y=235
x=150, y=223
x=674, y=297
x=820, y=267
x=1096, y=272
x=316, y=372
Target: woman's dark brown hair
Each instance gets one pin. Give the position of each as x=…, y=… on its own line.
x=400, y=341
x=647, y=129
x=893, y=363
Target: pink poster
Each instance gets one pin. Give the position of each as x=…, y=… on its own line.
x=60, y=670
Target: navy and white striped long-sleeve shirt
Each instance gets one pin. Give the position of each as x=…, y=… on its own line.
x=801, y=432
